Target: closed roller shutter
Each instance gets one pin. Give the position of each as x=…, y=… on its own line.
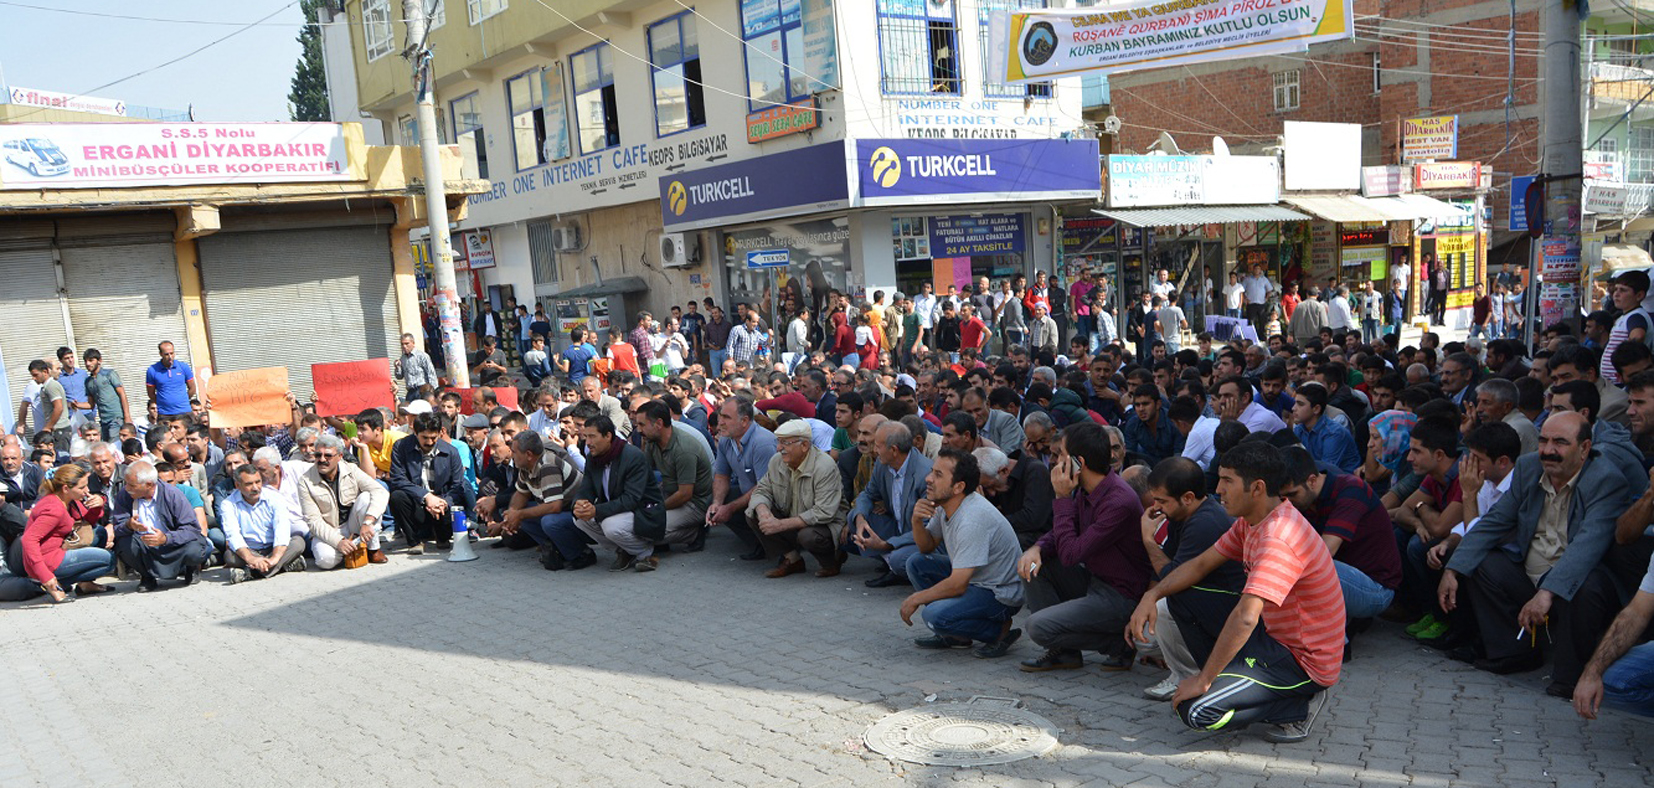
x=122, y=279
x=292, y=298
x=33, y=317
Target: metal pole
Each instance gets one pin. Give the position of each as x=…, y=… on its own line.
x=443, y=285
x=1561, y=152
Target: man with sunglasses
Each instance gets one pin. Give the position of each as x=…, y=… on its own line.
x=343, y=506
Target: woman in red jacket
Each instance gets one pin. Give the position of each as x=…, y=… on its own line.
x=61, y=505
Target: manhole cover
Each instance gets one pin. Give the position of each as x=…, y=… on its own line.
x=962, y=734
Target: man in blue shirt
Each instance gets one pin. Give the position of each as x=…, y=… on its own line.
x=744, y=451
x=1327, y=441
x=577, y=359
x=171, y=383
x=74, y=387
x=1149, y=430
x=259, y=531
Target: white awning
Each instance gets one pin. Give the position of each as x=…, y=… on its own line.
x=1200, y=214
x=1348, y=208
x=1423, y=206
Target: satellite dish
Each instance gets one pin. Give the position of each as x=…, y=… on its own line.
x=1111, y=124
x=1165, y=144
x=1219, y=147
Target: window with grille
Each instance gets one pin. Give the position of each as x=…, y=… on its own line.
x=482, y=9
x=468, y=131
x=918, y=47
x=542, y=251
x=1639, y=155
x=993, y=85
x=596, y=117
x=376, y=28
x=675, y=57
x=528, y=118
x=1286, y=90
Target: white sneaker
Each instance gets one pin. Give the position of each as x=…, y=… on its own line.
x=1162, y=691
x=1294, y=732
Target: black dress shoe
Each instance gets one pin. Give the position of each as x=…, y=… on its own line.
x=1054, y=659
x=552, y=560
x=1465, y=654
x=699, y=542
x=583, y=560
x=886, y=580
x=756, y=554
x=148, y=584
x=1518, y=663
x=1558, y=689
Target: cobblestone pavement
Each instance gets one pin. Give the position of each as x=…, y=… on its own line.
x=496, y=672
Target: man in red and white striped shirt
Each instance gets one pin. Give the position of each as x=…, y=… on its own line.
x=1278, y=674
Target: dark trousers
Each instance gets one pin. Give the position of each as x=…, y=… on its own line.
x=743, y=531
x=1201, y=614
x=817, y=540
x=1074, y=610
x=1263, y=683
x=166, y=561
x=1500, y=587
x=415, y=524
x=1255, y=314
x=295, y=549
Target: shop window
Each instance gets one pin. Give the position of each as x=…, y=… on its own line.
x=1286, y=90
x=556, y=112
x=992, y=84
x=408, y=128
x=918, y=47
x=1639, y=154
x=468, y=131
x=675, y=58
x=376, y=28
x=910, y=235
x=542, y=251
x=528, y=119
x=596, y=117
x=483, y=9
x=773, y=34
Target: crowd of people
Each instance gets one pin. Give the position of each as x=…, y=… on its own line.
x=1235, y=514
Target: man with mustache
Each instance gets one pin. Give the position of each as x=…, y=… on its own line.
x=1559, y=516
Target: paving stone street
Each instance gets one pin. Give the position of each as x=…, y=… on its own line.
x=496, y=672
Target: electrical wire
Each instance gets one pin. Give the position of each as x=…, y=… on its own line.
x=1461, y=28
x=185, y=56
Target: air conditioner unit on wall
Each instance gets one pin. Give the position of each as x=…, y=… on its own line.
x=674, y=250
x=566, y=238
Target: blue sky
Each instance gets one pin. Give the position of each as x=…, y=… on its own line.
x=243, y=78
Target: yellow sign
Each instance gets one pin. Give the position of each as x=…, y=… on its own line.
x=1455, y=244
x=1430, y=138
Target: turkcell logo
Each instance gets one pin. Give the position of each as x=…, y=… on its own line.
x=886, y=167
x=677, y=198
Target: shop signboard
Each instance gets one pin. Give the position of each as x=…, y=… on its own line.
x=1364, y=234
x=1604, y=166
x=1081, y=235
x=103, y=155
x=1323, y=247
x=1193, y=180
x=910, y=171
x=30, y=97
x=1517, y=221
x=1430, y=139
x=751, y=188
x=1606, y=199
x=1386, y=180
x=1351, y=256
x=479, y=249
x=1136, y=34
x=768, y=258
x=986, y=234
x=781, y=120
x=1447, y=175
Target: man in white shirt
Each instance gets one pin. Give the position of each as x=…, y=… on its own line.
x=1234, y=296
x=1162, y=285
x=1338, y=310
x=924, y=305
x=1258, y=287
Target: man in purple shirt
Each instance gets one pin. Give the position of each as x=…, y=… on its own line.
x=1087, y=574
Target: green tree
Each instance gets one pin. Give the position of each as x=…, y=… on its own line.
x=308, y=98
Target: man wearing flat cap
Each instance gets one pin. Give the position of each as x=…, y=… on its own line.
x=795, y=505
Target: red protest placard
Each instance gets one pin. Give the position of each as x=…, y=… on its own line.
x=350, y=387
x=506, y=395
x=248, y=398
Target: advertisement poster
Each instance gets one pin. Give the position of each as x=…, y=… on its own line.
x=102, y=155
x=479, y=249
x=1426, y=139
x=1152, y=34
x=29, y=97
x=965, y=236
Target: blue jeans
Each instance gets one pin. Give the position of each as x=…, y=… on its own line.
x=1231, y=313
x=557, y=530
x=84, y=565
x=1369, y=329
x=975, y=614
x=1363, y=598
x=1628, y=684
x=387, y=523
x=717, y=357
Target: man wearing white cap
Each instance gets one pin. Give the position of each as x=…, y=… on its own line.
x=795, y=504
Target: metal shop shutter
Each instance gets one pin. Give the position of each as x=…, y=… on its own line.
x=298, y=297
x=124, y=299
x=33, y=317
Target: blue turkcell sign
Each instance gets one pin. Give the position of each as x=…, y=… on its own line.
x=768, y=258
x=802, y=179
x=890, y=171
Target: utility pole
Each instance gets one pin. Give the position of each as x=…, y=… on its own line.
x=443, y=283
x=1562, y=163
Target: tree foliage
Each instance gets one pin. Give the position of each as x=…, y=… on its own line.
x=307, y=100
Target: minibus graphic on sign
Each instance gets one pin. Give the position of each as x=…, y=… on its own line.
x=40, y=157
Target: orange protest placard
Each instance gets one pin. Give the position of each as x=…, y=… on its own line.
x=249, y=398
x=350, y=387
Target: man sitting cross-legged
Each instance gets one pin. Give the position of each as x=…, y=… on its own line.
x=1277, y=674
x=262, y=542
x=343, y=505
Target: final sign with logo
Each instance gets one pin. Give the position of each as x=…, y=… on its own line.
x=901, y=171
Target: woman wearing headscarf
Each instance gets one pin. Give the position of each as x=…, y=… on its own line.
x=1389, y=434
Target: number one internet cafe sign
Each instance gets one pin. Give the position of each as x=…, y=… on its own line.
x=115, y=155
x=1125, y=36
